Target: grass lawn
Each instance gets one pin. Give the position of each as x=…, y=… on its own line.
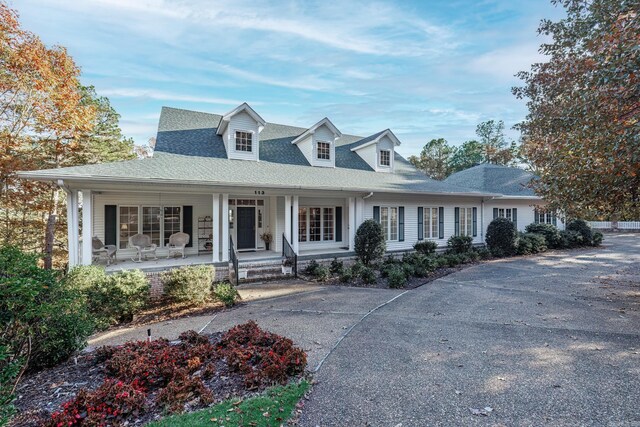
x=272, y=408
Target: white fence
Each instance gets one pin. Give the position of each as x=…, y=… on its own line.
x=622, y=225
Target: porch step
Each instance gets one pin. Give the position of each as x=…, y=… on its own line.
x=264, y=270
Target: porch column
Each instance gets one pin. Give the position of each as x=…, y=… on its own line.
x=359, y=211
x=225, y=227
x=287, y=218
x=294, y=235
x=273, y=221
x=216, y=228
x=87, y=227
x=73, y=227
x=351, y=229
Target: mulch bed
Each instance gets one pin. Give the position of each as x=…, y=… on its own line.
x=381, y=282
x=42, y=393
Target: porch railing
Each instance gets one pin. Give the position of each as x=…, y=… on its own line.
x=233, y=260
x=290, y=255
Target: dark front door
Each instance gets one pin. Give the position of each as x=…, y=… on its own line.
x=246, y=228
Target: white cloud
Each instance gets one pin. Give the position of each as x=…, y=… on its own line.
x=504, y=63
x=167, y=96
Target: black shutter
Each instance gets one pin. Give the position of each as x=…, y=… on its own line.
x=376, y=214
x=475, y=222
x=536, y=216
x=401, y=223
x=441, y=222
x=420, y=223
x=110, y=224
x=495, y=213
x=338, y=223
x=514, y=217
x=456, y=214
x=187, y=223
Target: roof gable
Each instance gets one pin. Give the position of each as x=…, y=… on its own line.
x=324, y=122
x=244, y=107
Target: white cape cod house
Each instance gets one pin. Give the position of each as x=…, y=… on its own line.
x=226, y=180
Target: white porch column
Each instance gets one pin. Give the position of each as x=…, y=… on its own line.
x=287, y=218
x=273, y=221
x=294, y=224
x=73, y=227
x=216, y=228
x=351, y=229
x=225, y=227
x=359, y=211
x=87, y=227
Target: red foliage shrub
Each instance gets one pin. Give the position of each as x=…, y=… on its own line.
x=182, y=389
x=262, y=357
x=109, y=405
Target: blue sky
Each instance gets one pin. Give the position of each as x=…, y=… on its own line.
x=425, y=69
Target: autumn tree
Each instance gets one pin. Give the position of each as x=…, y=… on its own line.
x=47, y=120
x=495, y=147
x=582, y=132
x=434, y=159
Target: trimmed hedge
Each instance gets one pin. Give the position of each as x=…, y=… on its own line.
x=549, y=231
x=460, y=244
x=369, y=242
x=427, y=247
x=502, y=237
x=191, y=284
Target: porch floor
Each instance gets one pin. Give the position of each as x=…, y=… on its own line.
x=162, y=263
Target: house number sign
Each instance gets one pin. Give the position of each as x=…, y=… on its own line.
x=259, y=192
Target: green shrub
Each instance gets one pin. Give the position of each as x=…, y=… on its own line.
x=571, y=239
x=426, y=247
x=356, y=269
x=484, y=253
x=346, y=276
x=549, y=231
x=42, y=322
x=369, y=242
x=460, y=244
x=583, y=229
x=312, y=268
x=524, y=246
x=111, y=298
x=226, y=293
x=408, y=269
x=337, y=267
x=473, y=256
x=191, y=284
x=502, y=237
x=442, y=261
x=397, y=278
x=321, y=273
x=538, y=242
x=597, y=238
x=368, y=275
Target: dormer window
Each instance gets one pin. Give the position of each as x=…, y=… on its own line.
x=244, y=141
x=324, y=151
x=385, y=158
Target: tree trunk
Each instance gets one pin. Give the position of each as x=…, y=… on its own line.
x=48, y=241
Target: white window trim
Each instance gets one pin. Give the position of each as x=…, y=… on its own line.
x=397, y=208
x=307, y=224
x=505, y=213
x=380, y=151
x=427, y=224
x=141, y=219
x=253, y=142
x=468, y=224
x=321, y=159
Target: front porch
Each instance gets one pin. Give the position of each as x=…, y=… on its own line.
x=244, y=258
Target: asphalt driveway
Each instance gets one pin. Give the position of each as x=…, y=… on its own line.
x=545, y=340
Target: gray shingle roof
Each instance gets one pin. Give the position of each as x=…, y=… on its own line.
x=499, y=179
x=188, y=150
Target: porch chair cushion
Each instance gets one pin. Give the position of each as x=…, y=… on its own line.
x=177, y=243
x=143, y=246
x=100, y=250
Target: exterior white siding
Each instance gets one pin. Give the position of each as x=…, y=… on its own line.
x=242, y=122
x=323, y=134
x=306, y=146
x=371, y=154
x=526, y=212
x=411, y=204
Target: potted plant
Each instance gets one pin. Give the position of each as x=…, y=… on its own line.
x=267, y=238
x=287, y=265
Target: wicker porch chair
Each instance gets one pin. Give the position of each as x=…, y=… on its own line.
x=101, y=251
x=143, y=246
x=177, y=243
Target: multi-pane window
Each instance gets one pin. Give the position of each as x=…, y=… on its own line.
x=327, y=224
x=505, y=213
x=302, y=224
x=389, y=222
x=385, y=158
x=172, y=221
x=544, y=217
x=465, y=220
x=431, y=223
x=151, y=223
x=128, y=224
x=244, y=141
x=316, y=224
x=324, y=151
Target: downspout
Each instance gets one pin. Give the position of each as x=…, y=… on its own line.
x=367, y=196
